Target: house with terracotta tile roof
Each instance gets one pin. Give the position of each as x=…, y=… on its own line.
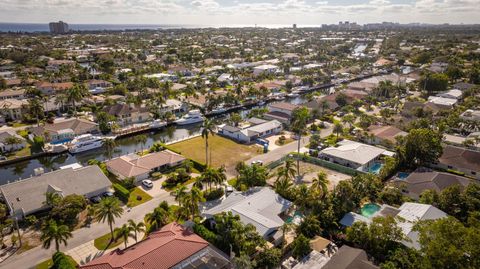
x=173, y=246
x=384, y=134
x=140, y=167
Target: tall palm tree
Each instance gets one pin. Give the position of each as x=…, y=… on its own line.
x=300, y=117
x=191, y=201
x=76, y=94
x=288, y=171
x=52, y=198
x=158, y=218
x=123, y=232
x=52, y=232
x=208, y=128
x=179, y=193
x=109, y=145
x=35, y=108
x=136, y=228
x=338, y=128
x=107, y=210
x=320, y=183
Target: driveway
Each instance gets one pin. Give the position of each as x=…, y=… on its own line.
x=156, y=190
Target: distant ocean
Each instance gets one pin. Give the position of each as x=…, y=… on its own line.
x=43, y=27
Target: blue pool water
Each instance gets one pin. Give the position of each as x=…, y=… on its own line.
x=369, y=209
x=403, y=175
x=61, y=141
x=291, y=219
x=376, y=167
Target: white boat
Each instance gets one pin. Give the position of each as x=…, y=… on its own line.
x=218, y=110
x=157, y=124
x=193, y=116
x=85, y=142
x=293, y=94
x=261, y=103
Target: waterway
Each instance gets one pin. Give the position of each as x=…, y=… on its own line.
x=25, y=169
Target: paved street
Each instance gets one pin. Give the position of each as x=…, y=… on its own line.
x=34, y=256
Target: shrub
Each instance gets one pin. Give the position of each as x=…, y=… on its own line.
x=205, y=233
x=213, y=194
x=121, y=192
x=38, y=140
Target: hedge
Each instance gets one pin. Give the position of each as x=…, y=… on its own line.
x=205, y=233
x=213, y=194
x=121, y=192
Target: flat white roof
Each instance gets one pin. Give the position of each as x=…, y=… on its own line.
x=354, y=151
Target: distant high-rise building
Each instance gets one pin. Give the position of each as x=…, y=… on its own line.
x=58, y=27
x=294, y=26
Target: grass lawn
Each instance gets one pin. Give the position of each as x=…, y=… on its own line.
x=133, y=201
x=223, y=151
x=18, y=124
x=103, y=242
x=26, y=151
x=46, y=264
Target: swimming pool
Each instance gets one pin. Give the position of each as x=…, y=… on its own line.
x=296, y=218
x=63, y=141
x=402, y=175
x=369, y=209
x=376, y=167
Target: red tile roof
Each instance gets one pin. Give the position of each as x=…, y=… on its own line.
x=160, y=250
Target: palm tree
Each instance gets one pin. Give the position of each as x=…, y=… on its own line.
x=287, y=171
x=300, y=117
x=136, y=228
x=52, y=198
x=337, y=128
x=207, y=129
x=35, y=108
x=107, y=210
x=76, y=94
x=123, y=232
x=158, y=218
x=285, y=228
x=52, y=232
x=320, y=183
x=179, y=193
x=109, y=145
x=191, y=201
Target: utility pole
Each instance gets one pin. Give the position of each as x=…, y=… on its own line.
x=16, y=225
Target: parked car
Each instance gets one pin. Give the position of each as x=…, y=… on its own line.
x=147, y=183
x=258, y=162
x=107, y=194
x=95, y=199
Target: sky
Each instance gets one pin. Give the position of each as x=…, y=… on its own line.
x=239, y=12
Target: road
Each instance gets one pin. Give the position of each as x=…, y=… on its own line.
x=31, y=258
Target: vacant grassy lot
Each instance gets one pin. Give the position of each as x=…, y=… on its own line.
x=137, y=192
x=223, y=151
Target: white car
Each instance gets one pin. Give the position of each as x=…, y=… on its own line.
x=147, y=183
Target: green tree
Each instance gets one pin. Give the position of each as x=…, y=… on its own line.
x=123, y=232
x=309, y=227
x=320, y=183
x=158, y=218
x=432, y=83
x=208, y=128
x=235, y=118
x=300, y=118
x=58, y=234
x=191, y=201
x=252, y=175
x=35, y=108
x=420, y=147
x=301, y=247
x=338, y=129
x=76, y=94
x=109, y=145
x=269, y=258
x=107, y=210
x=62, y=261
x=287, y=171
x=136, y=228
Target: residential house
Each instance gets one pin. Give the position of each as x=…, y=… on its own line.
x=27, y=196
x=172, y=247
x=173, y=106
x=460, y=159
x=48, y=88
x=128, y=114
x=406, y=217
x=140, y=167
x=349, y=258
x=424, y=179
x=442, y=102
x=55, y=65
x=471, y=115
x=64, y=130
x=281, y=112
x=6, y=144
x=354, y=155
x=13, y=109
x=462, y=86
x=97, y=86
x=252, y=133
x=262, y=207
x=451, y=94
x=384, y=134
x=322, y=250
x=265, y=69
x=12, y=94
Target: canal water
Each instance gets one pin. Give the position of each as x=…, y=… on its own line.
x=25, y=169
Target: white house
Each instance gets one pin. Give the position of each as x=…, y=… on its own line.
x=5, y=141
x=354, y=154
x=262, y=207
x=452, y=94
x=442, y=101
x=265, y=69
x=251, y=133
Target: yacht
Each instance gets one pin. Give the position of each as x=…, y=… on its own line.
x=219, y=110
x=157, y=124
x=193, y=116
x=85, y=142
